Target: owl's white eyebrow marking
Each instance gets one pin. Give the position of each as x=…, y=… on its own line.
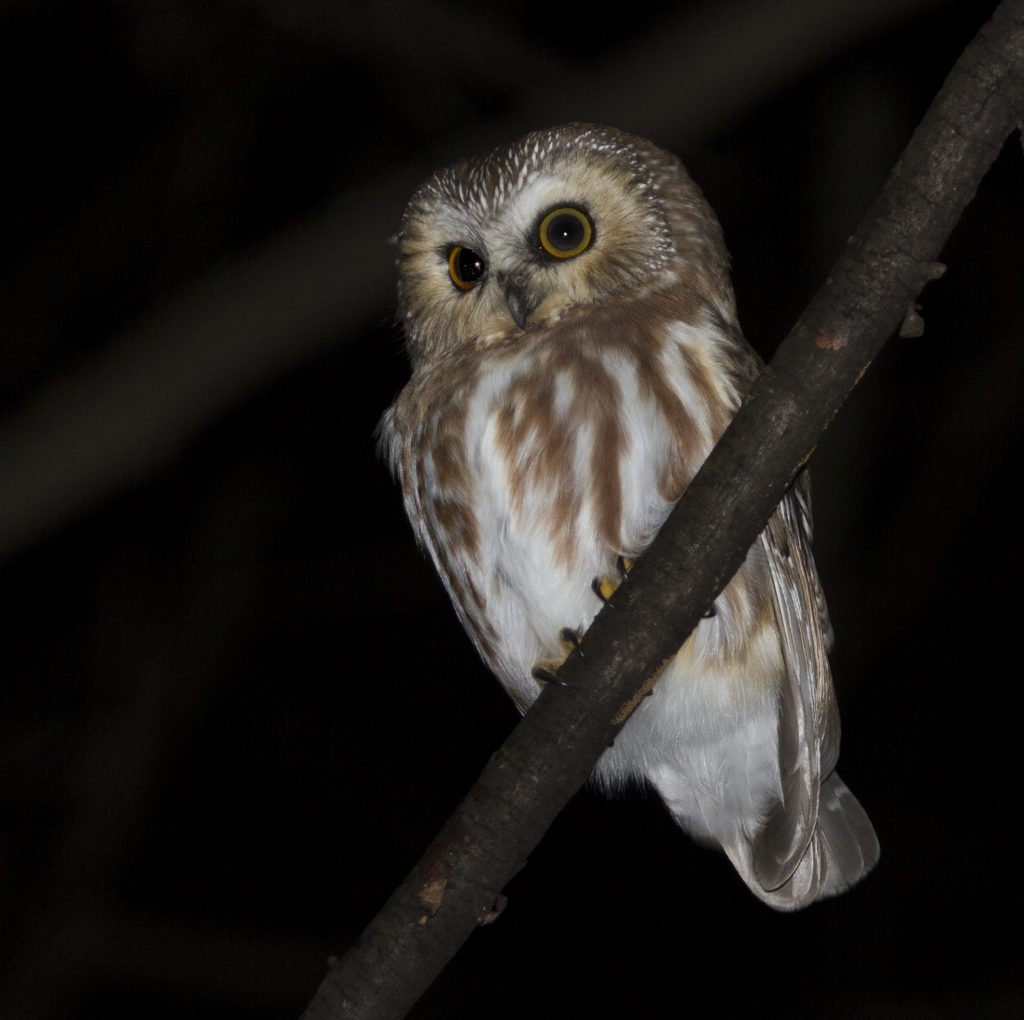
x=482, y=186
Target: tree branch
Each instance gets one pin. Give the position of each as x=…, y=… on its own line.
x=547, y=758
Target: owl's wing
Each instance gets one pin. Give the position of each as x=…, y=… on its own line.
x=800, y=492
x=818, y=840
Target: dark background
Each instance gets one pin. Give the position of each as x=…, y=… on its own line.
x=235, y=702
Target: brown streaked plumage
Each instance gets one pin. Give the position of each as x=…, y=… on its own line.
x=572, y=329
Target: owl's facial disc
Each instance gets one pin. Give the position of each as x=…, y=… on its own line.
x=519, y=240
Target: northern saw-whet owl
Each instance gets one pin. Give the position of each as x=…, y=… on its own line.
x=575, y=355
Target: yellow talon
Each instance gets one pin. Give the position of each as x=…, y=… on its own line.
x=605, y=587
x=569, y=639
x=545, y=671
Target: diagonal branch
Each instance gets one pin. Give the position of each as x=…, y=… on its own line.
x=552, y=751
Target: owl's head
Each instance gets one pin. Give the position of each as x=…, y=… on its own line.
x=561, y=220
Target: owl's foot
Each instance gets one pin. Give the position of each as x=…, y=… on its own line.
x=605, y=587
x=544, y=675
x=545, y=671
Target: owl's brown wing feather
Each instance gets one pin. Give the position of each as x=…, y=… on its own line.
x=806, y=704
x=818, y=840
x=801, y=492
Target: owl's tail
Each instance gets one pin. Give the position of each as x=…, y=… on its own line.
x=841, y=851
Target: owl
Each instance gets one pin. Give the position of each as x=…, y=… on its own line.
x=575, y=351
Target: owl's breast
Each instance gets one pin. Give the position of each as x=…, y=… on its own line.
x=530, y=473
x=586, y=438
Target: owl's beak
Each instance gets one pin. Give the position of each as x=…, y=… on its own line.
x=521, y=301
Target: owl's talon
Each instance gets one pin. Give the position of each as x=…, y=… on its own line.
x=544, y=675
x=570, y=639
x=604, y=587
x=545, y=671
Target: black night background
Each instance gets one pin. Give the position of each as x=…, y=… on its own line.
x=236, y=703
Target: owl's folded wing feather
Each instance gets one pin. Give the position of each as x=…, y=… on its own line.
x=806, y=704
x=818, y=840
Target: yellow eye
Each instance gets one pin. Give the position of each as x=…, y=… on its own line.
x=465, y=267
x=565, y=233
